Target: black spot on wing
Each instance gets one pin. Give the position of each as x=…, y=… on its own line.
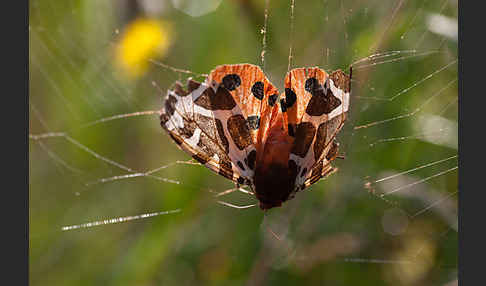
x=251, y=158
x=322, y=101
x=254, y=121
x=231, y=81
x=290, y=97
x=311, y=84
x=240, y=165
x=221, y=100
x=272, y=99
x=257, y=90
x=283, y=105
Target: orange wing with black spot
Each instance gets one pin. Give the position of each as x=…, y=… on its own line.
x=219, y=121
x=253, y=92
x=315, y=106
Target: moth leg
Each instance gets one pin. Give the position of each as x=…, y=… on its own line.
x=229, y=191
x=246, y=191
x=235, y=206
x=241, y=189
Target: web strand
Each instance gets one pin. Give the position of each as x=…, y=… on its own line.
x=121, y=116
x=414, y=85
x=410, y=114
x=118, y=220
x=377, y=46
x=415, y=169
x=177, y=70
x=420, y=181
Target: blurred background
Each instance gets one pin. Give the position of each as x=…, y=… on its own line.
x=388, y=217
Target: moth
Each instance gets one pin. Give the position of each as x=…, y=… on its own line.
x=238, y=125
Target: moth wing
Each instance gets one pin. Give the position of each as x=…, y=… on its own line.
x=322, y=168
x=254, y=94
x=315, y=106
x=195, y=130
x=212, y=120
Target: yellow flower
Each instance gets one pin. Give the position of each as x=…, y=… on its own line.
x=142, y=40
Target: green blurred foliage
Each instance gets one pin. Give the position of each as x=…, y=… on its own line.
x=331, y=234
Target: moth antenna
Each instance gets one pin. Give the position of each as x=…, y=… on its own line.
x=264, y=32
x=292, y=5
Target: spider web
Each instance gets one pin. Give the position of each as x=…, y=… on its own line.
x=99, y=157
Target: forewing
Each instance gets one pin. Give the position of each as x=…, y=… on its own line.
x=315, y=106
x=253, y=92
x=215, y=121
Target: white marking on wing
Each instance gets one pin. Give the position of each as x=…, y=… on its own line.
x=197, y=92
x=203, y=111
x=343, y=97
x=194, y=138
